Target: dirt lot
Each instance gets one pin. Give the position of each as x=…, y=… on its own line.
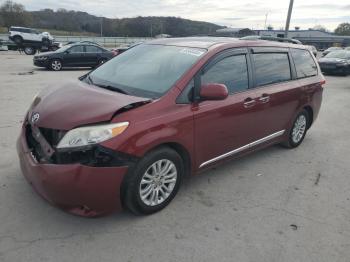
x=275, y=205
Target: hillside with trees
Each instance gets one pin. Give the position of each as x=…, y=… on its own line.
x=12, y=13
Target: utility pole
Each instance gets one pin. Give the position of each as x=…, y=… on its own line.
x=101, y=26
x=266, y=19
x=288, y=18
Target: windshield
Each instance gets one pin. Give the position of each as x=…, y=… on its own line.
x=334, y=48
x=63, y=48
x=339, y=54
x=146, y=70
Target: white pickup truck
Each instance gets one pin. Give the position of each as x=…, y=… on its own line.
x=21, y=35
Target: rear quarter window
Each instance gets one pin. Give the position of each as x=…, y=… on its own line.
x=271, y=68
x=304, y=63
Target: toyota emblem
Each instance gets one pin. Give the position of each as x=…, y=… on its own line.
x=35, y=117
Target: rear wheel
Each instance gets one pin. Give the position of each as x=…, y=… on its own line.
x=29, y=50
x=345, y=71
x=102, y=61
x=56, y=64
x=298, y=130
x=154, y=182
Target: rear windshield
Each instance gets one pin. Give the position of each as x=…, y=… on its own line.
x=146, y=70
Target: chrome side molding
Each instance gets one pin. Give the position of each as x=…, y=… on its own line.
x=240, y=149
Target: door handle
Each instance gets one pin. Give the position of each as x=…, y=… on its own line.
x=249, y=102
x=264, y=98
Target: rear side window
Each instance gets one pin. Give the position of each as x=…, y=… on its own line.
x=92, y=49
x=304, y=63
x=271, y=68
x=77, y=49
x=230, y=71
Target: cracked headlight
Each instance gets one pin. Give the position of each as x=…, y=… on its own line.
x=90, y=135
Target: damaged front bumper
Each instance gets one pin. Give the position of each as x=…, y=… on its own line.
x=81, y=189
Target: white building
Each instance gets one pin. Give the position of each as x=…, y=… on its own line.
x=317, y=38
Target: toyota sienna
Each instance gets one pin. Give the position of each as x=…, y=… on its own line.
x=126, y=134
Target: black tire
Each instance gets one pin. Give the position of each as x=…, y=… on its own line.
x=55, y=64
x=102, y=61
x=18, y=39
x=131, y=197
x=29, y=50
x=292, y=141
x=345, y=72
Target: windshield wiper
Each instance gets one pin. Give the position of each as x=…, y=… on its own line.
x=112, y=88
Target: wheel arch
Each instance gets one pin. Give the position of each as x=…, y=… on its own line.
x=181, y=150
x=55, y=58
x=310, y=111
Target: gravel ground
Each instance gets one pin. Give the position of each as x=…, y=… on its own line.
x=274, y=205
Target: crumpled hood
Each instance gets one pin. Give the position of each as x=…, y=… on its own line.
x=76, y=103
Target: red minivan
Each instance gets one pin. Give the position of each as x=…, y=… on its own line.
x=127, y=133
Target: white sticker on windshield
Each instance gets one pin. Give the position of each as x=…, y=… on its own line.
x=189, y=51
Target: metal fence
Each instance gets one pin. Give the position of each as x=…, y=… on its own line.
x=105, y=41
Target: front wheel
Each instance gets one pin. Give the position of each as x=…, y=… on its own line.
x=46, y=42
x=154, y=182
x=18, y=40
x=298, y=130
x=56, y=64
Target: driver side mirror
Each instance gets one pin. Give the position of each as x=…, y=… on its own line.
x=213, y=91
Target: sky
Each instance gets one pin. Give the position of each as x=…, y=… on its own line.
x=232, y=13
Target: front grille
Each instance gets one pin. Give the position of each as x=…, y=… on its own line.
x=52, y=136
x=33, y=145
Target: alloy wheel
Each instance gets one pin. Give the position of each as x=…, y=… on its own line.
x=299, y=129
x=56, y=65
x=158, y=182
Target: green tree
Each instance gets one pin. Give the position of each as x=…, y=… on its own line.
x=320, y=28
x=14, y=14
x=343, y=29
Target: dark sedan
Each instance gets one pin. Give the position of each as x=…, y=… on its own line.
x=331, y=49
x=337, y=62
x=76, y=55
